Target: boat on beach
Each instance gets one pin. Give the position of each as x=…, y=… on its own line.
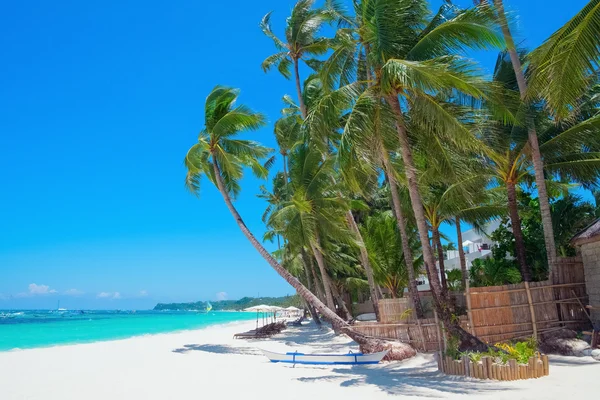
x=326, y=359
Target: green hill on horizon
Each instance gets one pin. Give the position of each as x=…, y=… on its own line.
x=231, y=305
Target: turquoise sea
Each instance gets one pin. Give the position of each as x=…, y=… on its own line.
x=41, y=328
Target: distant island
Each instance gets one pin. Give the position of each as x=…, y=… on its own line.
x=231, y=305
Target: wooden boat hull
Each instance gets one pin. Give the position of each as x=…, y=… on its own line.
x=326, y=359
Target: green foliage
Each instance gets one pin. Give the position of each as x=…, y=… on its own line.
x=569, y=215
x=454, y=279
x=521, y=351
x=232, y=305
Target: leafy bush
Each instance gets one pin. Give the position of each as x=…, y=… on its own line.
x=493, y=272
x=520, y=351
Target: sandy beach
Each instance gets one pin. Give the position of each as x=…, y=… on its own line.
x=209, y=362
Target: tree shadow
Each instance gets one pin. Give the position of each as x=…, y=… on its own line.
x=421, y=381
x=218, y=349
x=565, y=361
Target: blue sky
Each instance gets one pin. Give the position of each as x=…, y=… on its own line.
x=99, y=102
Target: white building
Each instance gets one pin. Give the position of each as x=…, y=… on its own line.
x=476, y=244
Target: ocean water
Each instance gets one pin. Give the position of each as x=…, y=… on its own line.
x=41, y=328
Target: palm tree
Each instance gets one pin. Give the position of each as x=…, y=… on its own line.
x=301, y=41
x=536, y=156
x=314, y=212
x=412, y=60
x=385, y=247
x=221, y=157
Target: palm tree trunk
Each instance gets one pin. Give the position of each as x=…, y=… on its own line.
x=536, y=155
x=364, y=257
x=299, y=90
x=461, y=255
x=285, y=174
x=324, y=276
x=401, y=222
x=441, y=301
x=515, y=221
x=341, y=302
x=318, y=283
x=310, y=285
x=440, y=250
x=336, y=321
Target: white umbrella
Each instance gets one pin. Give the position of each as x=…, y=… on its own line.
x=292, y=308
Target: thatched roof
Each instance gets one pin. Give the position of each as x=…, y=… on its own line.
x=589, y=234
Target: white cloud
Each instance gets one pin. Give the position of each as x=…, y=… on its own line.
x=143, y=293
x=73, y=292
x=221, y=296
x=109, y=295
x=35, y=290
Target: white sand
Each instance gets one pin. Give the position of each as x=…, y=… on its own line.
x=209, y=364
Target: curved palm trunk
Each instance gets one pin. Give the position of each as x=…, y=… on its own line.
x=306, y=294
x=517, y=232
x=536, y=155
x=364, y=257
x=461, y=255
x=299, y=89
x=324, y=275
x=285, y=174
x=441, y=301
x=311, y=309
x=440, y=250
x=407, y=252
x=318, y=283
x=340, y=300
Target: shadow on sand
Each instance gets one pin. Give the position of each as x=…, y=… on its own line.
x=396, y=378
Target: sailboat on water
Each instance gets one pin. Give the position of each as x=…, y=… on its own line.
x=58, y=309
x=208, y=307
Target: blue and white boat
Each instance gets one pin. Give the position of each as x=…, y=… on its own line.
x=326, y=359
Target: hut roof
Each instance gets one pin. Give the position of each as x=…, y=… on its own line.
x=589, y=234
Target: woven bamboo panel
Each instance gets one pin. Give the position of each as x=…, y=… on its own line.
x=571, y=270
x=393, y=310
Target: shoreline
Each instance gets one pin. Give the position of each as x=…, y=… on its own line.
x=143, y=335
x=208, y=362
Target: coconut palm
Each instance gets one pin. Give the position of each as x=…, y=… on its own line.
x=411, y=62
x=383, y=241
x=221, y=157
x=301, y=41
x=535, y=154
x=314, y=212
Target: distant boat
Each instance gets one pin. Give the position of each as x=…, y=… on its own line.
x=208, y=307
x=60, y=309
x=347, y=359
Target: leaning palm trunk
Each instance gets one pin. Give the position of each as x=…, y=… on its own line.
x=461, y=255
x=324, y=275
x=340, y=300
x=515, y=221
x=441, y=301
x=364, y=257
x=536, y=156
x=398, y=351
x=407, y=252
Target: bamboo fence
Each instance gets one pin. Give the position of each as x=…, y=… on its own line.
x=495, y=313
x=486, y=368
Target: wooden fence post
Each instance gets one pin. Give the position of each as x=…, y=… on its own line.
x=531, y=310
x=469, y=312
x=441, y=339
x=422, y=335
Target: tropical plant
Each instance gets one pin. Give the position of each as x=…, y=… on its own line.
x=221, y=157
